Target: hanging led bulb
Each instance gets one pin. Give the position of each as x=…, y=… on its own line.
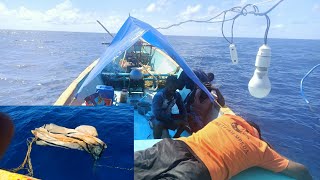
x=233, y=53
x=259, y=86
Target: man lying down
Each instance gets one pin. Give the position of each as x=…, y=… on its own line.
x=223, y=148
x=83, y=138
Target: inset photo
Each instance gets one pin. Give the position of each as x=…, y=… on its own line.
x=47, y=142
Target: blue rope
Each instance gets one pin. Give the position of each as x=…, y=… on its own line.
x=301, y=84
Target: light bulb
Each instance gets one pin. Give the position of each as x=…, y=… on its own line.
x=259, y=86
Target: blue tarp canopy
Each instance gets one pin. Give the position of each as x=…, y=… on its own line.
x=130, y=32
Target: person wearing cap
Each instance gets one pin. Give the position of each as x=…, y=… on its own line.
x=222, y=149
x=162, y=105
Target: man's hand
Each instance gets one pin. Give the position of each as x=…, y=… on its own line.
x=180, y=122
x=297, y=171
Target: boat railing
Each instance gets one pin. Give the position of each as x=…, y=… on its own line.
x=128, y=74
x=122, y=80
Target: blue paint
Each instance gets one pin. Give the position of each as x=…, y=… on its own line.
x=36, y=67
x=114, y=127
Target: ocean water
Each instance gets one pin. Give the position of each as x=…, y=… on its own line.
x=49, y=162
x=36, y=67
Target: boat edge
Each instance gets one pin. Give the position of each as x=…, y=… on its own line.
x=65, y=97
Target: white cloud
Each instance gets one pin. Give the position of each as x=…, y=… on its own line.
x=3, y=8
x=113, y=23
x=213, y=10
x=157, y=6
x=316, y=8
x=62, y=14
x=278, y=26
x=151, y=7
x=26, y=14
x=243, y=2
x=65, y=13
x=190, y=11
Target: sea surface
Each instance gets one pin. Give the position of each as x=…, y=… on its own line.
x=114, y=127
x=36, y=67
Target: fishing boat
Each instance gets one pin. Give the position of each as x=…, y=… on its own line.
x=13, y=176
x=130, y=72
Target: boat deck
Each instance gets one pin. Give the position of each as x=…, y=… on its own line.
x=142, y=124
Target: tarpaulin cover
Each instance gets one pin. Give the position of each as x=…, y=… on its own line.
x=130, y=32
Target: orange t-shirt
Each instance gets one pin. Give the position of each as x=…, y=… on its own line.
x=228, y=145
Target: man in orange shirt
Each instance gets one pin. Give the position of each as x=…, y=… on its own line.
x=222, y=149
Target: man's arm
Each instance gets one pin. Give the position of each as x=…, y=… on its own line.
x=297, y=171
x=220, y=98
x=277, y=163
x=181, y=107
x=189, y=100
x=157, y=108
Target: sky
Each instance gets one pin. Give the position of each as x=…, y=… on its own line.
x=294, y=19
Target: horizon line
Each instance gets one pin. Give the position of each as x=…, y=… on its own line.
x=161, y=33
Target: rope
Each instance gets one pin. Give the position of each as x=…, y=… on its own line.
x=241, y=11
x=267, y=29
x=27, y=159
x=301, y=83
x=116, y=167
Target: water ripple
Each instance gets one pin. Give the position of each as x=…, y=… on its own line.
x=37, y=76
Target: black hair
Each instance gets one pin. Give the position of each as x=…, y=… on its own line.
x=171, y=80
x=210, y=76
x=201, y=75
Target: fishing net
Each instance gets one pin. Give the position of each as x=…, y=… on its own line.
x=82, y=138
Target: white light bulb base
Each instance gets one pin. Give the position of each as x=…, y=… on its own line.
x=259, y=86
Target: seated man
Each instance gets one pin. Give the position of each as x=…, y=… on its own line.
x=162, y=105
x=197, y=109
x=222, y=149
x=185, y=81
x=197, y=102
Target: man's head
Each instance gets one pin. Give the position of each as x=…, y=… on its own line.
x=171, y=85
x=201, y=75
x=210, y=76
x=184, y=80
